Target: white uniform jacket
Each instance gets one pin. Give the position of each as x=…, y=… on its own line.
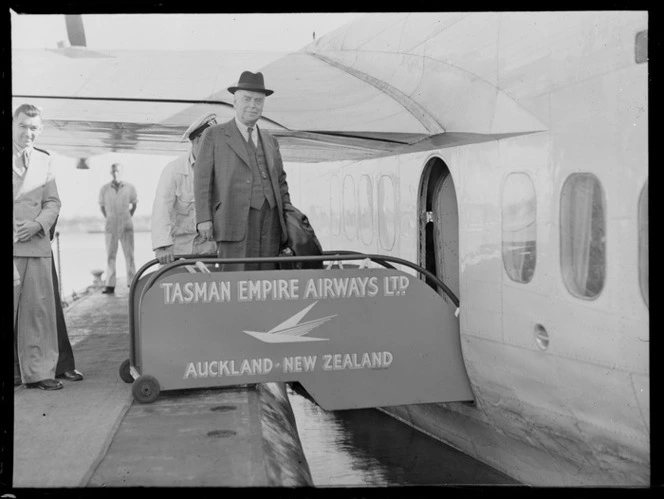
x=174, y=212
x=36, y=199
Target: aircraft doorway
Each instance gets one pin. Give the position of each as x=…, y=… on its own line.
x=439, y=225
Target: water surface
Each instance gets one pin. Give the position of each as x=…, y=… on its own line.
x=366, y=447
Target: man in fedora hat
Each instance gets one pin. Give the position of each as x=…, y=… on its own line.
x=173, y=210
x=240, y=183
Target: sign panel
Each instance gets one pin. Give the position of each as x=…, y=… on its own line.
x=353, y=338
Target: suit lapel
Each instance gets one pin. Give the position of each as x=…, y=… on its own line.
x=36, y=175
x=269, y=152
x=17, y=179
x=270, y=155
x=236, y=142
x=16, y=170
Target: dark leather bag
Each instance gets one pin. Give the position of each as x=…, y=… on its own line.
x=301, y=239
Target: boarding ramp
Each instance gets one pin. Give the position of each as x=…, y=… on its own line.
x=366, y=336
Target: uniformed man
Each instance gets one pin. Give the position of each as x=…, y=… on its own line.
x=118, y=201
x=36, y=207
x=173, y=210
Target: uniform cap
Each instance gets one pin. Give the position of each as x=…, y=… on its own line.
x=197, y=127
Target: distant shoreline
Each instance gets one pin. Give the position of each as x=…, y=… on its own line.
x=101, y=231
x=95, y=224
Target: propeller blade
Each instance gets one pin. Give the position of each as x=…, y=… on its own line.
x=75, y=30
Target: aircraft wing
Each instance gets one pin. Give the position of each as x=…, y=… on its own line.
x=378, y=86
x=124, y=101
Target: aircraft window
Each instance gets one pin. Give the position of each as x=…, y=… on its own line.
x=350, y=223
x=335, y=205
x=386, y=212
x=643, y=245
x=583, y=235
x=519, y=227
x=641, y=47
x=366, y=209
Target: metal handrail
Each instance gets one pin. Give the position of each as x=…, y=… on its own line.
x=132, y=288
x=347, y=252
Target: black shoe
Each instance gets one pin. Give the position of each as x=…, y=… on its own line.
x=45, y=384
x=17, y=381
x=108, y=290
x=72, y=375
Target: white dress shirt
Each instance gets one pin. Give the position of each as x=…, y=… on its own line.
x=245, y=133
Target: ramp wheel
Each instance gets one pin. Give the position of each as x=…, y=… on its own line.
x=145, y=389
x=125, y=372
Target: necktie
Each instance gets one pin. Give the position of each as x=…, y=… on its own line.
x=253, y=149
x=23, y=167
x=26, y=159
x=251, y=141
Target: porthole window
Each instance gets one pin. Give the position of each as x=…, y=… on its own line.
x=366, y=209
x=643, y=245
x=335, y=205
x=641, y=47
x=350, y=223
x=386, y=212
x=519, y=220
x=583, y=235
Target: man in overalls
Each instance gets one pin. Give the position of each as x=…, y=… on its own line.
x=118, y=201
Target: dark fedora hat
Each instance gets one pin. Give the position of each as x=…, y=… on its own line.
x=252, y=82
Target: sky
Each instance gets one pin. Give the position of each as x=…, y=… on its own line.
x=170, y=32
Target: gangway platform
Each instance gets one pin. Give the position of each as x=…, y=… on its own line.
x=91, y=434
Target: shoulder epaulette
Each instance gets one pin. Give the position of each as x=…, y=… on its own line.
x=42, y=150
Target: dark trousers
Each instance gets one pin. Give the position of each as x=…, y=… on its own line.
x=66, y=355
x=263, y=238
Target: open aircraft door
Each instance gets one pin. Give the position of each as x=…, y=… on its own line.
x=354, y=338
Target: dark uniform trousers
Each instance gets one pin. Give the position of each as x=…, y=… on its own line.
x=263, y=234
x=65, y=353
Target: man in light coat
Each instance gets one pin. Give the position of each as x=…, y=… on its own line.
x=173, y=210
x=36, y=207
x=240, y=183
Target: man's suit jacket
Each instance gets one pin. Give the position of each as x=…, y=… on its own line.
x=36, y=198
x=222, y=181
